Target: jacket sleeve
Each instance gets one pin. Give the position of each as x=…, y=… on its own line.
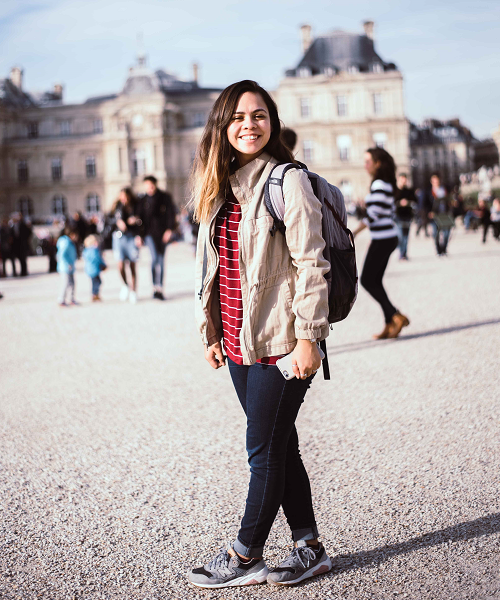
x=200, y=317
x=303, y=221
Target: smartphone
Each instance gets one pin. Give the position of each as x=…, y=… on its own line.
x=285, y=364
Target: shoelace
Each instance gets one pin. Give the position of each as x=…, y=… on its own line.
x=303, y=553
x=220, y=562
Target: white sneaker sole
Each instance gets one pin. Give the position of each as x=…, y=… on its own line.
x=323, y=567
x=250, y=579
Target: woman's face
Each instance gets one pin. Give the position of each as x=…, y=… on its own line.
x=250, y=127
x=123, y=197
x=371, y=166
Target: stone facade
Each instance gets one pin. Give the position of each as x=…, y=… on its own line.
x=342, y=99
x=61, y=158
x=445, y=147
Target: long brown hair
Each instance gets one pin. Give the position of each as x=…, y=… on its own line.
x=214, y=154
x=386, y=171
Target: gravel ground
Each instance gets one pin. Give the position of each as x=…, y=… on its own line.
x=122, y=460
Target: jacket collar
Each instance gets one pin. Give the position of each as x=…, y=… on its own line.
x=244, y=180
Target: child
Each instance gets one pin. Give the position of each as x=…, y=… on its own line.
x=93, y=264
x=66, y=258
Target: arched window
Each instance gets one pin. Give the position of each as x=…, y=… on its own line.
x=25, y=206
x=93, y=203
x=59, y=205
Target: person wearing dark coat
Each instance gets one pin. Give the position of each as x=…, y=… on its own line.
x=6, y=250
x=405, y=201
x=159, y=221
x=21, y=241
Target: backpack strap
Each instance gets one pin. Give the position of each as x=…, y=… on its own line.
x=273, y=194
x=326, y=366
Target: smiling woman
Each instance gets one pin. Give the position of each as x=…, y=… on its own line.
x=262, y=296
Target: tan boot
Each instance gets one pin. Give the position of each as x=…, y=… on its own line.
x=398, y=322
x=385, y=333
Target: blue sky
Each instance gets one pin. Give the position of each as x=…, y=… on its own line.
x=448, y=51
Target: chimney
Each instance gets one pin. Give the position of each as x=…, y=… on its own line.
x=16, y=77
x=195, y=72
x=305, y=31
x=368, y=27
x=58, y=91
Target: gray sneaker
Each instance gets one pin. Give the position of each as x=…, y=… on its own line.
x=302, y=563
x=227, y=570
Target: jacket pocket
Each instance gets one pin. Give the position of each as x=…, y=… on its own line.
x=273, y=322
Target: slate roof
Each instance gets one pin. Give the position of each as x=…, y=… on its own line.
x=341, y=51
x=10, y=95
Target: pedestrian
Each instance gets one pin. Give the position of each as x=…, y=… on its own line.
x=263, y=296
x=405, y=200
x=441, y=215
x=6, y=246
x=66, y=259
x=158, y=215
x=495, y=218
x=126, y=240
x=424, y=205
x=384, y=236
x=484, y=215
x=21, y=236
x=79, y=224
x=94, y=264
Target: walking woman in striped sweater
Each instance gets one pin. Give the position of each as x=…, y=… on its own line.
x=384, y=235
x=262, y=296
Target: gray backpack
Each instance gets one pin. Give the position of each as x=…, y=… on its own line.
x=339, y=242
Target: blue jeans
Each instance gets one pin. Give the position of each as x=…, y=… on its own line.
x=403, y=233
x=157, y=260
x=277, y=474
x=441, y=238
x=96, y=285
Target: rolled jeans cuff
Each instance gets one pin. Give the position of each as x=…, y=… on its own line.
x=308, y=533
x=248, y=551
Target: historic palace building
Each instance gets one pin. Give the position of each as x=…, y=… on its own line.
x=57, y=158
x=341, y=99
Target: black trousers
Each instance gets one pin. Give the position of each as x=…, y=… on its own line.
x=374, y=268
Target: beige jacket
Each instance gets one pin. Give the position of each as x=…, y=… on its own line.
x=284, y=292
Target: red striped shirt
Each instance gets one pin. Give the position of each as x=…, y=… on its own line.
x=226, y=242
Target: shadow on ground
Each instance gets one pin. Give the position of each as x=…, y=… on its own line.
x=355, y=346
x=469, y=530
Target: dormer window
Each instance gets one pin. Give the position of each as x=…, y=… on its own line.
x=353, y=69
x=329, y=71
x=304, y=72
x=377, y=68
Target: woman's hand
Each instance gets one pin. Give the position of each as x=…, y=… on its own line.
x=214, y=355
x=305, y=359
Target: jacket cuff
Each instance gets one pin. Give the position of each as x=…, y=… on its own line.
x=319, y=333
x=213, y=339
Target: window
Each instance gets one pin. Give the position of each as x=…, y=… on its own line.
x=377, y=104
x=342, y=106
x=90, y=166
x=56, y=169
x=120, y=160
x=346, y=189
x=33, y=129
x=97, y=126
x=352, y=69
x=305, y=107
x=304, y=72
x=25, y=206
x=344, y=145
x=22, y=171
x=65, y=127
x=139, y=162
x=199, y=119
x=59, y=205
x=308, y=150
x=377, y=68
x=380, y=139
x=93, y=203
